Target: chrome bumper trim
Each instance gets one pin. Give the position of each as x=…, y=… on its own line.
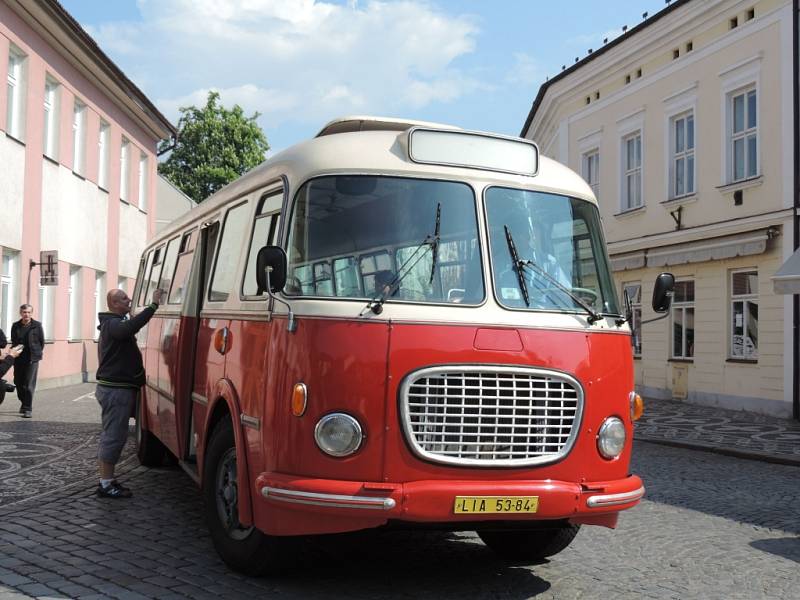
x=330, y=500
x=614, y=499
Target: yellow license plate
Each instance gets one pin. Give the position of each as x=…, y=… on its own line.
x=495, y=504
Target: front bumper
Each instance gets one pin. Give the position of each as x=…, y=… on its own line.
x=373, y=504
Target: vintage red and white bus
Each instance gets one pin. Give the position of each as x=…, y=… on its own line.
x=395, y=323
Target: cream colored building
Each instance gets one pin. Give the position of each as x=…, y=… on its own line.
x=685, y=128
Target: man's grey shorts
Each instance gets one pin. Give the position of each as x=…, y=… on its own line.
x=118, y=405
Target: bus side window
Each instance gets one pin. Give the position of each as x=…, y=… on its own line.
x=183, y=268
x=165, y=281
x=143, y=280
x=139, y=277
x=228, y=253
x=155, y=274
x=265, y=233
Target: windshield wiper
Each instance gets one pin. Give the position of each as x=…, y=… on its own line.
x=523, y=263
x=512, y=250
x=376, y=304
x=435, y=246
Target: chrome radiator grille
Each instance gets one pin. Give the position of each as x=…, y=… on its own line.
x=490, y=416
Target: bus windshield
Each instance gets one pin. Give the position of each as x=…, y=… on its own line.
x=362, y=237
x=559, y=248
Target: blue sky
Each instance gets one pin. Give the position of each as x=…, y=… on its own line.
x=300, y=63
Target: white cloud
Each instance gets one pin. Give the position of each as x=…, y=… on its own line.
x=297, y=60
x=525, y=71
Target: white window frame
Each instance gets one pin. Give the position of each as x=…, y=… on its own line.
x=103, y=148
x=634, y=289
x=51, y=117
x=15, y=99
x=683, y=308
x=746, y=74
x=682, y=160
x=744, y=299
x=47, y=311
x=590, y=167
x=631, y=172
x=143, y=181
x=99, y=300
x=745, y=135
x=79, y=112
x=124, y=170
x=74, y=304
x=8, y=289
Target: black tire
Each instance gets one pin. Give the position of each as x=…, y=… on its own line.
x=529, y=545
x=149, y=448
x=244, y=549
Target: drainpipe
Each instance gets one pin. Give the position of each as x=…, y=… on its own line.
x=796, y=207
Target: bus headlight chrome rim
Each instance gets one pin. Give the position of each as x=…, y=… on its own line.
x=338, y=434
x=611, y=438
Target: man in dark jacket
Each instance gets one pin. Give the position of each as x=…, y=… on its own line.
x=120, y=374
x=28, y=332
x=7, y=356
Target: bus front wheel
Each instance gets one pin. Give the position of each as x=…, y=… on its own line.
x=243, y=548
x=149, y=448
x=529, y=545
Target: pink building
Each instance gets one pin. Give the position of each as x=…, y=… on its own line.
x=77, y=175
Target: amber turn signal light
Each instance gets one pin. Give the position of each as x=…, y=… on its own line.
x=299, y=399
x=637, y=406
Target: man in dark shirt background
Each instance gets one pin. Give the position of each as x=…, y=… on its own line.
x=120, y=375
x=28, y=332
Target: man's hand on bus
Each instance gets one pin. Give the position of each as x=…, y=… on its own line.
x=158, y=295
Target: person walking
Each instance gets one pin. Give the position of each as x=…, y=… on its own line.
x=120, y=374
x=29, y=333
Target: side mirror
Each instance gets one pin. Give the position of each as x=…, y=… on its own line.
x=274, y=259
x=662, y=292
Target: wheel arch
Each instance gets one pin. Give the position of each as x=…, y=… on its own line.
x=225, y=404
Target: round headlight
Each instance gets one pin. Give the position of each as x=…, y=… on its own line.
x=611, y=437
x=338, y=434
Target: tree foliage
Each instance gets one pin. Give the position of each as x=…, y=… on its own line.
x=214, y=146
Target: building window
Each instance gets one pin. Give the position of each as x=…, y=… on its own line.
x=632, y=172
x=102, y=155
x=683, y=320
x=51, y=121
x=74, y=303
x=743, y=126
x=733, y=23
x=750, y=14
x=143, y=182
x=682, y=155
x=16, y=93
x=122, y=283
x=124, y=169
x=99, y=300
x=46, y=309
x=634, y=293
x=79, y=137
x=8, y=290
x=744, y=315
x=689, y=46
x=591, y=170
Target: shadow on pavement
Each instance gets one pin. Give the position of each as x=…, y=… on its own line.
x=746, y=491
x=784, y=547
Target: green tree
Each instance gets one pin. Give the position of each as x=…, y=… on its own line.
x=214, y=146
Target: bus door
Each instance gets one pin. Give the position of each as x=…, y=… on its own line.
x=177, y=339
x=208, y=365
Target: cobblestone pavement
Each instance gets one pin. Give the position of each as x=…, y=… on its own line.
x=731, y=432
x=711, y=526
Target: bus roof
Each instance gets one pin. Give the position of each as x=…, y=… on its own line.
x=379, y=145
